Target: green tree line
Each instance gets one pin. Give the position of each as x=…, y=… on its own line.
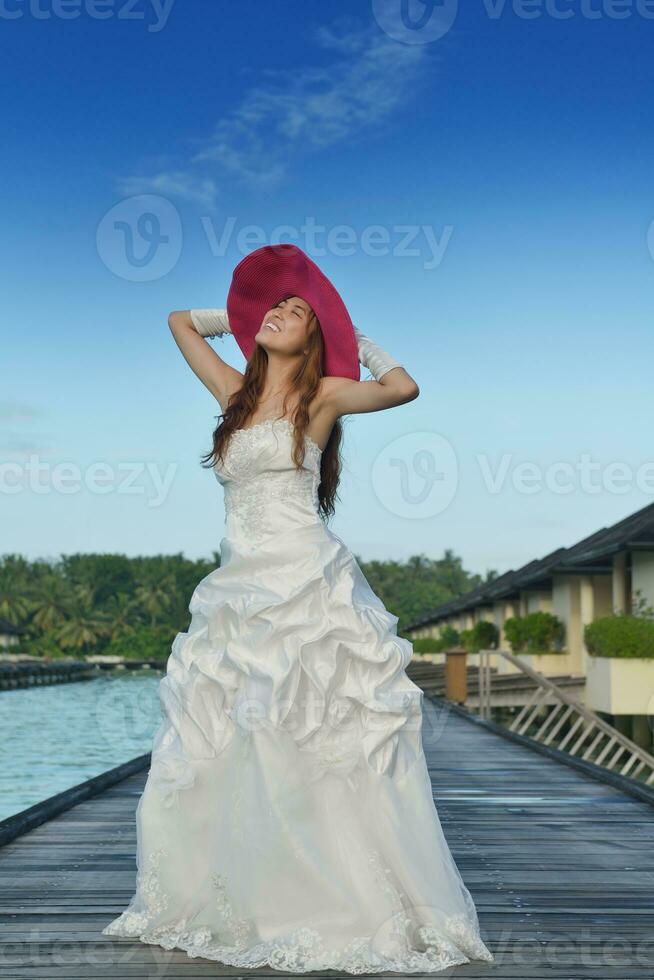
x=84, y=604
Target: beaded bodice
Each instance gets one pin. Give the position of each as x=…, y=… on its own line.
x=265, y=494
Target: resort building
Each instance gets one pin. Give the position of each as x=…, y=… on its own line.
x=9, y=635
x=608, y=573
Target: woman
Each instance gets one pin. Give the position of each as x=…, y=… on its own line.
x=287, y=819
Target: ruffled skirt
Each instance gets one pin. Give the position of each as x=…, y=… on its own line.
x=287, y=818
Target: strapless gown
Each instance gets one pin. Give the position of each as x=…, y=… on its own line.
x=287, y=818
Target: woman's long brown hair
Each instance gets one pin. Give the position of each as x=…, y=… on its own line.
x=304, y=385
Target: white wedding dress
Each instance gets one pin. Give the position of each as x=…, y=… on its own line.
x=287, y=818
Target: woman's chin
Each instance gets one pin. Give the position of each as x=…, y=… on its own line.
x=263, y=338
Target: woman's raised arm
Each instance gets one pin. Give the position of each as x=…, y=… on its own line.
x=392, y=385
x=190, y=328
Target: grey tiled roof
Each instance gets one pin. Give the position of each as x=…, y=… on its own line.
x=596, y=550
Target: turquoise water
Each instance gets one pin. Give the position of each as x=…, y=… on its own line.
x=56, y=736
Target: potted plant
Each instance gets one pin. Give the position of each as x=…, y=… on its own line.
x=539, y=639
x=620, y=675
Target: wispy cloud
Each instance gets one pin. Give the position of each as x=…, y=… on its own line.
x=18, y=444
x=14, y=411
x=18, y=448
x=315, y=107
x=297, y=111
x=180, y=184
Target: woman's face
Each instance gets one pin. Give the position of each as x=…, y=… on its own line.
x=285, y=326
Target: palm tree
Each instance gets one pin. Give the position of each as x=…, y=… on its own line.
x=120, y=615
x=13, y=606
x=81, y=633
x=84, y=625
x=154, y=598
x=50, y=603
x=14, y=578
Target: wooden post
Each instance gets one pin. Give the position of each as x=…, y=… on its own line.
x=456, y=675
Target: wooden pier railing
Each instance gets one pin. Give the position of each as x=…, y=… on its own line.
x=554, y=718
x=29, y=673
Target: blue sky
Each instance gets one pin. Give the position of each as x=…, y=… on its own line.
x=496, y=187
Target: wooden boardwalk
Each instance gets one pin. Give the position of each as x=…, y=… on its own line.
x=561, y=868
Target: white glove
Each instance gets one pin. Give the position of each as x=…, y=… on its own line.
x=211, y=323
x=378, y=361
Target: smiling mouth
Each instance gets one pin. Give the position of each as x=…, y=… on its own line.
x=273, y=326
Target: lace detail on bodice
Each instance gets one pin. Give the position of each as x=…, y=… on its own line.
x=265, y=493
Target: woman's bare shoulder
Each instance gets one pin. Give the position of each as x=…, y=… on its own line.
x=325, y=400
x=331, y=384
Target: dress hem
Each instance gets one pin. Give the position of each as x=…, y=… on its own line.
x=305, y=955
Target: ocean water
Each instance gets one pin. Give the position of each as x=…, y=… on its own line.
x=56, y=736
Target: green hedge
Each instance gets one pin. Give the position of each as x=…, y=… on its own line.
x=449, y=637
x=437, y=644
x=482, y=636
x=47, y=645
x=537, y=632
x=145, y=643
x=622, y=635
x=426, y=644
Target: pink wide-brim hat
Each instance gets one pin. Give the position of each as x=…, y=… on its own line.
x=264, y=276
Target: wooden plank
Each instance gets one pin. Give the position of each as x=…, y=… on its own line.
x=561, y=868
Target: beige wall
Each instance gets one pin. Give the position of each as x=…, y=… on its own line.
x=642, y=574
x=426, y=632
x=603, y=595
x=434, y=630
x=619, y=583
x=566, y=604
x=620, y=687
x=540, y=601
x=575, y=599
x=502, y=610
x=578, y=600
